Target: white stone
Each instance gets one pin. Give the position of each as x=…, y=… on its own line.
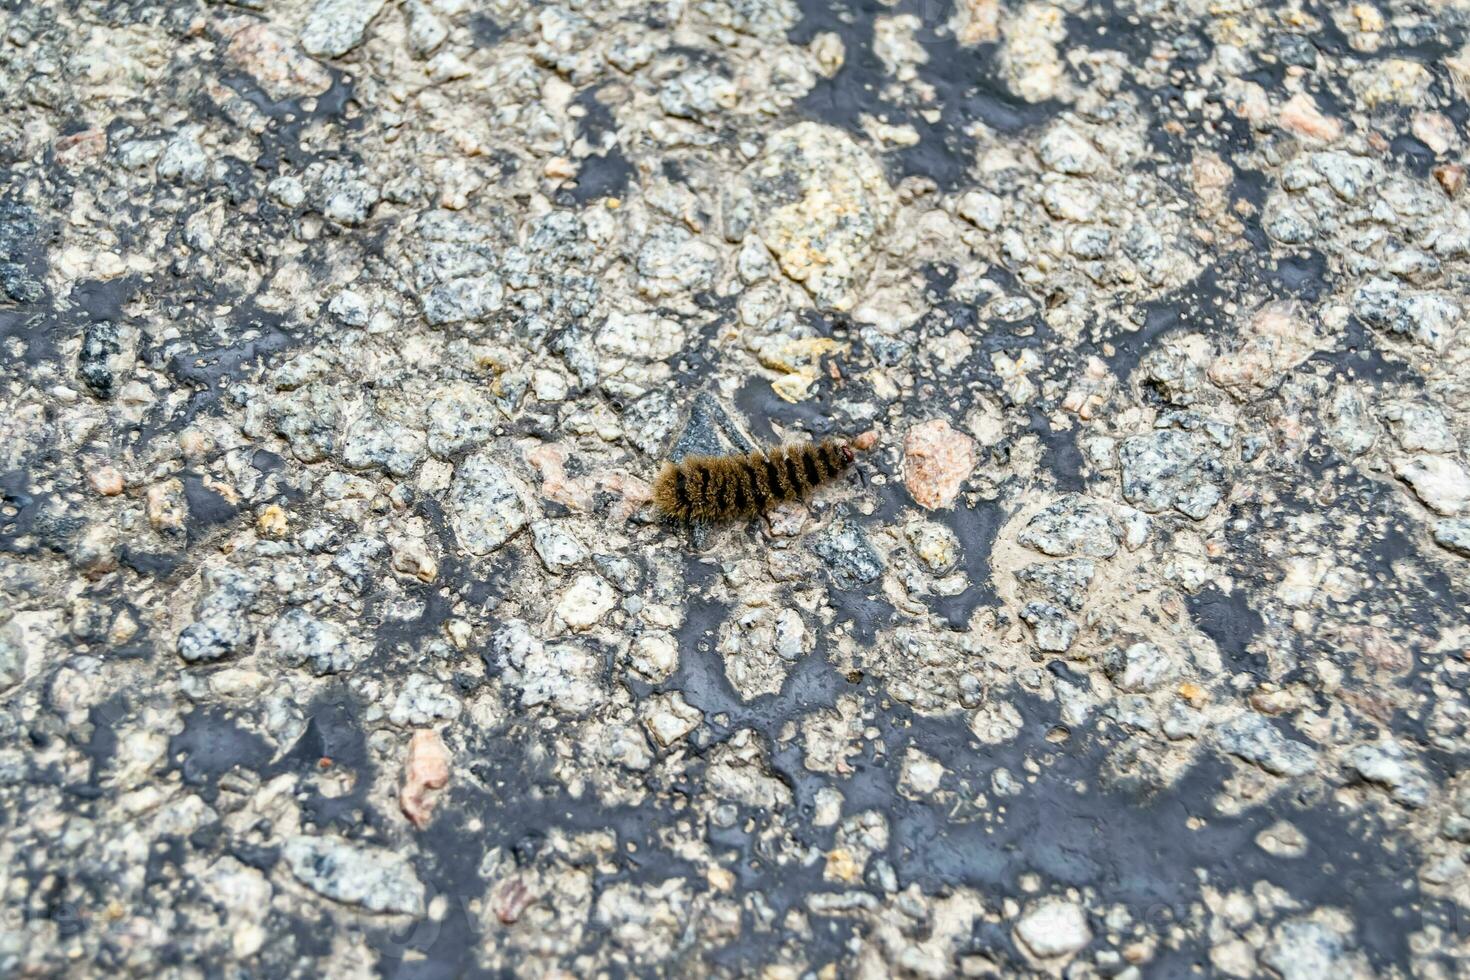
x=1054, y=928
x=297, y=638
x=984, y=211
x=669, y=718
x=1442, y=484
x=655, y=656
x=1140, y=668
x=1066, y=151
x=562, y=675
x=1387, y=764
x=1304, y=949
x=487, y=504
x=792, y=639
x=558, y=549
x=549, y=386
x=423, y=701
x=460, y=417
x=335, y=27
x=641, y=335
x=1251, y=737
x=921, y=773
x=584, y=604
x=374, y=878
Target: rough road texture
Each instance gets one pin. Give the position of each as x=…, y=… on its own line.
x=340, y=339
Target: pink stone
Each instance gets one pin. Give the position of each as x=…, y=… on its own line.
x=427, y=769
x=936, y=461
x=1301, y=115
x=273, y=60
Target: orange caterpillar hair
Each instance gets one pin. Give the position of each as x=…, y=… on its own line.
x=722, y=488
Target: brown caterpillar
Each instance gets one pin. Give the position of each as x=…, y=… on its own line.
x=722, y=488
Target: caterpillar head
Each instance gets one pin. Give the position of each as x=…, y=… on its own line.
x=860, y=443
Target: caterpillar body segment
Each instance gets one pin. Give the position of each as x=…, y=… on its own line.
x=724, y=488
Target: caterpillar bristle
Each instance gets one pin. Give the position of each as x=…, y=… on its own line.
x=725, y=488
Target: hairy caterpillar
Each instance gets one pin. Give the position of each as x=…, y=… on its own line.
x=721, y=488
